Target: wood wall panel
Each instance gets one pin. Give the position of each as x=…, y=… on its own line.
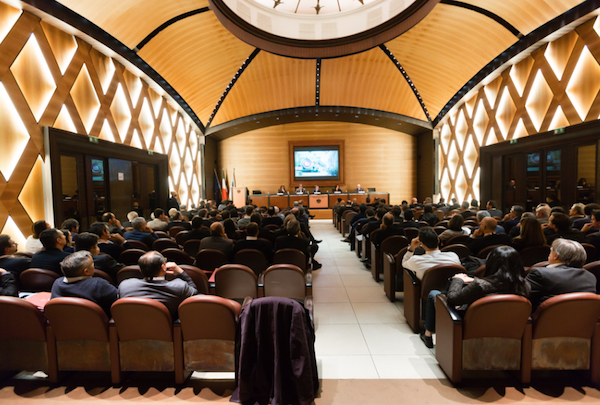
x=198, y=57
x=526, y=15
x=446, y=49
x=370, y=80
x=374, y=157
x=130, y=21
x=272, y=82
x=530, y=99
x=23, y=150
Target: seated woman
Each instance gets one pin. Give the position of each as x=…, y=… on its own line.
x=455, y=228
x=230, y=229
x=531, y=234
x=504, y=275
x=33, y=244
x=337, y=189
x=282, y=190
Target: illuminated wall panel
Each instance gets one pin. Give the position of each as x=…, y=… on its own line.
x=50, y=78
x=556, y=86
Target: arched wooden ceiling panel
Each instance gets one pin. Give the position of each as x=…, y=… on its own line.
x=526, y=15
x=198, y=57
x=446, y=49
x=270, y=82
x=130, y=21
x=369, y=80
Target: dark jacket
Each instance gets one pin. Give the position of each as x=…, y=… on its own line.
x=95, y=289
x=478, y=244
x=15, y=264
x=8, y=285
x=147, y=238
x=572, y=234
x=48, y=259
x=108, y=265
x=218, y=243
x=383, y=234
x=293, y=242
x=259, y=245
x=196, y=234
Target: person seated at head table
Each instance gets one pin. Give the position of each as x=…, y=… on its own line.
x=282, y=190
x=337, y=189
x=300, y=189
x=359, y=189
x=317, y=190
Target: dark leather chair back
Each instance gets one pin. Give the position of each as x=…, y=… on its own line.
x=179, y=238
x=436, y=278
x=164, y=243
x=131, y=256
x=104, y=275
x=137, y=244
x=255, y=259
x=192, y=247
x=443, y=223
x=236, y=281
x=534, y=254
x=272, y=227
x=458, y=240
x=290, y=256
x=594, y=268
x=175, y=230
x=439, y=229
x=37, y=279
x=162, y=234
x=210, y=259
x=590, y=250
x=198, y=276
x=483, y=253
x=461, y=250
x=284, y=280
x=129, y=272
x=177, y=256
x=393, y=244
x=411, y=233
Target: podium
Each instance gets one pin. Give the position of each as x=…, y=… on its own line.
x=240, y=195
x=318, y=201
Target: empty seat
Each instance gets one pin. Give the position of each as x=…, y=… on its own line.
x=175, y=230
x=236, y=281
x=162, y=234
x=80, y=328
x=285, y=280
x=180, y=237
x=131, y=256
x=208, y=325
x=391, y=245
x=393, y=273
x=210, y=259
x=458, y=240
x=146, y=338
x=177, y=256
x=37, y=279
x=290, y=256
x=411, y=233
x=164, y=243
x=253, y=258
x=23, y=338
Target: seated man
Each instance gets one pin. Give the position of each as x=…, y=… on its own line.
x=8, y=284
x=53, y=241
x=542, y=213
x=160, y=221
x=429, y=216
x=199, y=231
x=359, y=189
x=89, y=242
x=131, y=215
x=301, y=190
x=428, y=240
x=154, y=268
x=217, y=240
x=114, y=225
x=14, y=264
x=245, y=220
x=252, y=242
x=564, y=273
x=465, y=211
x=559, y=226
x=71, y=225
x=409, y=220
x=414, y=203
x=79, y=282
x=373, y=225
x=491, y=208
x=177, y=220
x=486, y=236
x=141, y=232
x=112, y=245
x=272, y=218
x=294, y=240
x=512, y=219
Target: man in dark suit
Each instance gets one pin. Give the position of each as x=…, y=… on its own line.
x=512, y=218
x=141, y=232
x=172, y=202
x=559, y=226
x=593, y=237
x=89, y=242
x=112, y=245
x=114, y=225
x=217, y=240
x=252, y=242
x=372, y=225
x=14, y=264
x=294, y=240
x=486, y=236
x=491, y=208
x=177, y=220
x=53, y=241
x=271, y=218
x=359, y=189
x=409, y=221
x=199, y=231
x=563, y=273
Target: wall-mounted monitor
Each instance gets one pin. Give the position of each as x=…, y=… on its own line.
x=316, y=162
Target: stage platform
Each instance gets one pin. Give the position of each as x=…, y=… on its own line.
x=324, y=213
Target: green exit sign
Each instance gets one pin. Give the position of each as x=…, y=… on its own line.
x=92, y=139
x=559, y=131
x=512, y=141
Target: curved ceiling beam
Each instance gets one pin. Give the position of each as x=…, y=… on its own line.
x=521, y=45
x=405, y=75
x=235, y=78
x=486, y=13
x=166, y=24
x=357, y=115
x=57, y=10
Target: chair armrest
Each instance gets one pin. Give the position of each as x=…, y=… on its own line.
x=308, y=278
x=391, y=260
x=452, y=312
x=448, y=328
x=413, y=277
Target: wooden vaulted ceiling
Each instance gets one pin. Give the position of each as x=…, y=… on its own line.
x=225, y=80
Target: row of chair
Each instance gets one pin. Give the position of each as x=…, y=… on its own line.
x=497, y=333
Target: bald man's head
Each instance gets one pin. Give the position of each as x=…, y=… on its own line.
x=489, y=224
x=216, y=229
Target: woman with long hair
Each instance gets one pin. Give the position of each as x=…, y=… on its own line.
x=455, y=228
x=504, y=275
x=531, y=234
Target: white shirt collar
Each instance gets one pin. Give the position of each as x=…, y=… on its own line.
x=74, y=279
x=251, y=237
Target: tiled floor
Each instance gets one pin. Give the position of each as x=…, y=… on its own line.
x=360, y=333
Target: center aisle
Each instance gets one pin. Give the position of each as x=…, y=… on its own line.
x=360, y=334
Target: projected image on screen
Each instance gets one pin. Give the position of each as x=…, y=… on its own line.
x=316, y=164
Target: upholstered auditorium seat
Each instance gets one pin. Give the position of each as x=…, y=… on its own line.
x=129, y=272
x=253, y=258
x=137, y=244
x=164, y=243
x=393, y=273
x=178, y=256
x=192, y=247
x=461, y=250
x=590, y=251
x=146, y=338
x=179, y=238
x=210, y=259
x=198, y=277
x=492, y=335
x=458, y=240
x=594, y=268
x=208, y=325
x=37, y=279
x=286, y=280
x=390, y=245
x=290, y=256
x=416, y=291
x=236, y=281
x=104, y=275
x=346, y=218
x=81, y=332
x=534, y=254
x=175, y=230
x=131, y=256
x=483, y=253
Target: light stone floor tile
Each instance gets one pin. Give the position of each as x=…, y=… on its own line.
x=329, y=294
x=337, y=340
x=408, y=367
x=327, y=280
x=346, y=367
x=333, y=313
x=384, y=312
x=360, y=280
x=367, y=294
x=392, y=339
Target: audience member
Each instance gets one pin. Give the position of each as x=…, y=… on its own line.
x=8, y=259
x=33, y=243
x=114, y=225
x=465, y=211
x=160, y=221
x=587, y=210
x=217, y=240
x=141, y=232
x=106, y=263
x=8, y=284
x=512, y=218
x=428, y=215
x=577, y=211
x=564, y=273
x=454, y=205
x=543, y=213
x=414, y=203
x=71, y=225
x=252, y=242
x=386, y=230
x=272, y=218
x=53, y=241
x=79, y=282
x=504, y=275
x=199, y=231
x=69, y=246
x=474, y=205
x=486, y=236
x=245, y=220
x=559, y=226
x=428, y=240
x=154, y=268
x=491, y=208
x=373, y=225
x=408, y=220
x=112, y=245
x=131, y=215
x=531, y=234
x=177, y=220
x=172, y=202
x=294, y=240
x=455, y=228
x=592, y=237
x=229, y=229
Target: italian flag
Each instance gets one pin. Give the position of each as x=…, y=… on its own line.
x=224, y=187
